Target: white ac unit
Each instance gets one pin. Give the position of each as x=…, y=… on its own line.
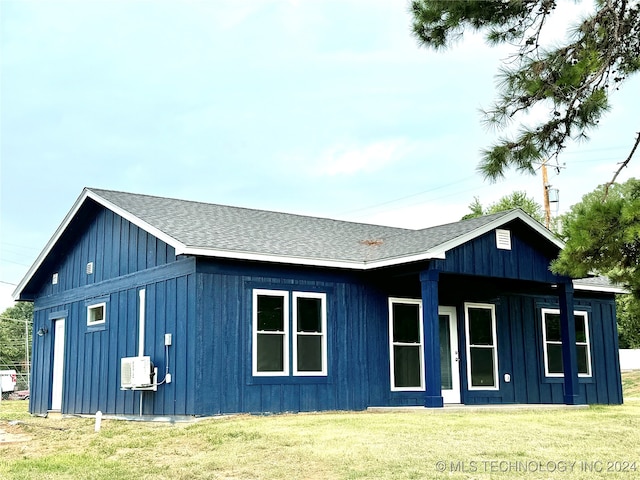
x=136, y=372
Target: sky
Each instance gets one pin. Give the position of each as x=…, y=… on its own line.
x=319, y=107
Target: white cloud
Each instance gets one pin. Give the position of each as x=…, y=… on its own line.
x=351, y=159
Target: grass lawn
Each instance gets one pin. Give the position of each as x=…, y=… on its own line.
x=596, y=442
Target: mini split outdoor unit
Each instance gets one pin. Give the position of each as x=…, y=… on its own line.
x=137, y=373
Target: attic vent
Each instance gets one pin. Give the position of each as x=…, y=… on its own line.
x=89, y=268
x=54, y=279
x=503, y=239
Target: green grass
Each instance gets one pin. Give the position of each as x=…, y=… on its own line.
x=333, y=445
x=631, y=384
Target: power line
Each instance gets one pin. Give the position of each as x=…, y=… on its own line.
x=19, y=246
x=408, y=196
x=15, y=263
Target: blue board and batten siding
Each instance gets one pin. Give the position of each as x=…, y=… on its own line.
x=483, y=273
x=520, y=353
x=126, y=259
x=227, y=384
x=206, y=305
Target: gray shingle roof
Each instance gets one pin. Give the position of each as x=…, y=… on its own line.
x=598, y=284
x=242, y=233
x=206, y=226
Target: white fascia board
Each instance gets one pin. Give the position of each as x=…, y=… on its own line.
x=169, y=240
x=52, y=241
x=86, y=193
x=603, y=289
x=262, y=257
x=313, y=262
x=389, y=262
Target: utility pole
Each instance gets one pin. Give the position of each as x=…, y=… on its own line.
x=545, y=185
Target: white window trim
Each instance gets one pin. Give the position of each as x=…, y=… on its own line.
x=323, y=334
x=494, y=346
x=104, y=311
x=409, y=301
x=556, y=311
x=285, y=351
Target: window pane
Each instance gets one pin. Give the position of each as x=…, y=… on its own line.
x=309, y=353
x=309, y=314
x=445, y=353
x=407, y=366
x=554, y=356
x=270, y=353
x=96, y=314
x=583, y=359
x=482, y=367
x=406, y=323
x=270, y=313
x=552, y=327
x=581, y=331
x=480, y=330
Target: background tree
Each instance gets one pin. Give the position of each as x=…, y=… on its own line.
x=517, y=199
x=602, y=236
x=628, y=312
x=571, y=82
x=13, y=339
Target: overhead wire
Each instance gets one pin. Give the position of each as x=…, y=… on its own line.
x=422, y=192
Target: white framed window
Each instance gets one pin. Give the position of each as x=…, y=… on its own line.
x=552, y=341
x=96, y=313
x=270, y=333
x=310, y=334
x=482, y=348
x=406, y=341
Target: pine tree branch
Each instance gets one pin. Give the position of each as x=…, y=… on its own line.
x=622, y=165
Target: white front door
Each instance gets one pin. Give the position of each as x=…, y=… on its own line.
x=449, y=358
x=58, y=364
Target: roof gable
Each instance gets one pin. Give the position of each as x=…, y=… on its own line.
x=204, y=229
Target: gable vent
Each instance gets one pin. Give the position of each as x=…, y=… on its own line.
x=54, y=279
x=89, y=268
x=503, y=239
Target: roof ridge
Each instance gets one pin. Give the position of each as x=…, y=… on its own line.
x=252, y=209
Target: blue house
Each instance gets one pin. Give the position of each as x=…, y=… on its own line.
x=164, y=307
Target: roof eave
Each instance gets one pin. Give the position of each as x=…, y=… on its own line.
x=602, y=289
x=88, y=194
x=306, y=261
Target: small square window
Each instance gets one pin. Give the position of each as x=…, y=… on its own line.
x=96, y=314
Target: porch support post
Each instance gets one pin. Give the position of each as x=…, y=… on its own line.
x=568, y=335
x=431, y=327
